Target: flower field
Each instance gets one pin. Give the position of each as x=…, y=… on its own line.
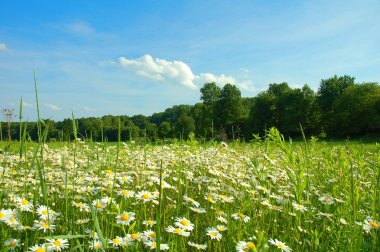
x=265, y=196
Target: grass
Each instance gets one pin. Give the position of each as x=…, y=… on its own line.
x=311, y=196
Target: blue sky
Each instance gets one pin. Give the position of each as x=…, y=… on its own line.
x=95, y=58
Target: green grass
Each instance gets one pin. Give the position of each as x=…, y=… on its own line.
x=336, y=187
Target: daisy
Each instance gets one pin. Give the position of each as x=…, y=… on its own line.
x=5, y=214
x=299, y=207
x=43, y=225
x=244, y=246
x=213, y=233
x=149, y=223
x=149, y=235
x=221, y=228
x=116, y=242
x=95, y=245
x=198, y=210
x=126, y=193
x=184, y=223
x=197, y=246
x=241, y=216
x=12, y=244
x=99, y=205
x=39, y=248
x=24, y=205
x=152, y=245
x=222, y=219
x=177, y=230
x=58, y=244
x=83, y=207
x=145, y=196
x=280, y=245
x=326, y=199
x=46, y=212
x=125, y=218
x=370, y=224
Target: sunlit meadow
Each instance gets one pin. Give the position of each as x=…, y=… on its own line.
x=270, y=195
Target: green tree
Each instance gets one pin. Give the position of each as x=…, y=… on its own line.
x=230, y=110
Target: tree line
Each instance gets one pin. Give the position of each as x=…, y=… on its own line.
x=340, y=108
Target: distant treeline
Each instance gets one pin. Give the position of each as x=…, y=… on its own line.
x=340, y=108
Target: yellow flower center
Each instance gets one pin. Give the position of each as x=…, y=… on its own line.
x=145, y=196
x=45, y=225
x=99, y=205
x=241, y=215
x=57, y=243
x=40, y=250
x=177, y=231
x=124, y=217
x=27, y=228
x=116, y=241
x=125, y=179
x=135, y=236
x=2, y=215
x=280, y=245
x=108, y=171
x=80, y=204
x=97, y=246
x=250, y=245
x=125, y=192
x=24, y=202
x=44, y=212
x=154, y=244
x=12, y=244
x=374, y=224
x=213, y=233
x=152, y=235
x=184, y=223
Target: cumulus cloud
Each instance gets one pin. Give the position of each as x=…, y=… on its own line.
x=174, y=71
x=3, y=47
x=52, y=106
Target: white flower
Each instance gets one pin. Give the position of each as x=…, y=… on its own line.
x=280, y=245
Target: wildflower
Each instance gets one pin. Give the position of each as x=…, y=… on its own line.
x=198, y=210
x=95, y=245
x=184, y=223
x=370, y=224
x=43, y=225
x=221, y=228
x=46, y=212
x=152, y=245
x=58, y=244
x=5, y=214
x=24, y=205
x=145, y=196
x=280, y=245
x=116, y=242
x=135, y=236
x=99, y=205
x=177, y=230
x=12, y=244
x=149, y=234
x=192, y=201
x=197, y=246
x=126, y=193
x=222, y=219
x=241, y=216
x=326, y=199
x=299, y=207
x=83, y=207
x=244, y=246
x=39, y=248
x=125, y=218
x=149, y=223
x=213, y=233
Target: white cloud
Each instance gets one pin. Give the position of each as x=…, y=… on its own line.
x=27, y=105
x=52, y=106
x=3, y=47
x=175, y=71
x=160, y=69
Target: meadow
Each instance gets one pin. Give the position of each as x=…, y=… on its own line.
x=267, y=195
